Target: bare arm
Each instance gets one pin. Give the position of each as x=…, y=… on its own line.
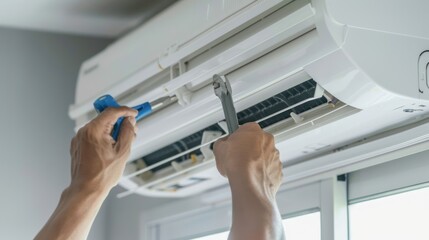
x=250, y=161
x=97, y=164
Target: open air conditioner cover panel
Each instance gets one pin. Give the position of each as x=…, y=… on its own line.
x=254, y=113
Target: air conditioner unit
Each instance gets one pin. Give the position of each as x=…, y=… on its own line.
x=317, y=74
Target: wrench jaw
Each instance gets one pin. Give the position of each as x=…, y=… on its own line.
x=222, y=89
x=220, y=85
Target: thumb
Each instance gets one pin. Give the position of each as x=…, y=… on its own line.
x=126, y=135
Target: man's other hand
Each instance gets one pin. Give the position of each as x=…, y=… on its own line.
x=97, y=160
x=250, y=152
x=251, y=162
x=96, y=166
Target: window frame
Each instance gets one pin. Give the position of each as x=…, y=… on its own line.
x=300, y=200
x=284, y=218
x=390, y=208
x=389, y=178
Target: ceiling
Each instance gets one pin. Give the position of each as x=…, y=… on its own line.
x=106, y=18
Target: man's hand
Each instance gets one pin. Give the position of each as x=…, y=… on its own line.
x=97, y=164
x=97, y=160
x=250, y=161
x=250, y=153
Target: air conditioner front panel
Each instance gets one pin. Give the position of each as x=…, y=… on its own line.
x=406, y=18
x=398, y=55
x=385, y=44
x=367, y=74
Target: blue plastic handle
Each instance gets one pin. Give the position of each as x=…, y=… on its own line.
x=107, y=101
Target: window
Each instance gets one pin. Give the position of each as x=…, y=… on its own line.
x=217, y=236
x=304, y=227
x=396, y=217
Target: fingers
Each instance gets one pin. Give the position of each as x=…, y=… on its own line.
x=109, y=116
x=126, y=135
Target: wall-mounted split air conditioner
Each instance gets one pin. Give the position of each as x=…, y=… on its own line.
x=316, y=74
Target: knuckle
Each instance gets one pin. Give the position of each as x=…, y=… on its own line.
x=122, y=109
x=87, y=132
x=81, y=132
x=269, y=137
x=90, y=130
x=217, y=146
x=252, y=125
x=127, y=125
x=111, y=109
x=126, y=109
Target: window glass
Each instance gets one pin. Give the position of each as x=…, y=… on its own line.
x=396, y=217
x=305, y=227
x=217, y=236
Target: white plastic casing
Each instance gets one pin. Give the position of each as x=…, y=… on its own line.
x=365, y=53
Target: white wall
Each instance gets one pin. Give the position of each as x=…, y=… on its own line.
x=38, y=74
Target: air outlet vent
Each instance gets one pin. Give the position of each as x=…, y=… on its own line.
x=263, y=112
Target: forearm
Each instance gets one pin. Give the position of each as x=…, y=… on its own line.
x=74, y=215
x=255, y=213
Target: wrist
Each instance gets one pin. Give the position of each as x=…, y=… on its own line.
x=74, y=214
x=248, y=184
x=255, y=212
x=85, y=190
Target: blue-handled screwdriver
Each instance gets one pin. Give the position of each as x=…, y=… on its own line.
x=144, y=109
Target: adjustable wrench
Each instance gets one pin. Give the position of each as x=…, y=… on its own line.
x=222, y=89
